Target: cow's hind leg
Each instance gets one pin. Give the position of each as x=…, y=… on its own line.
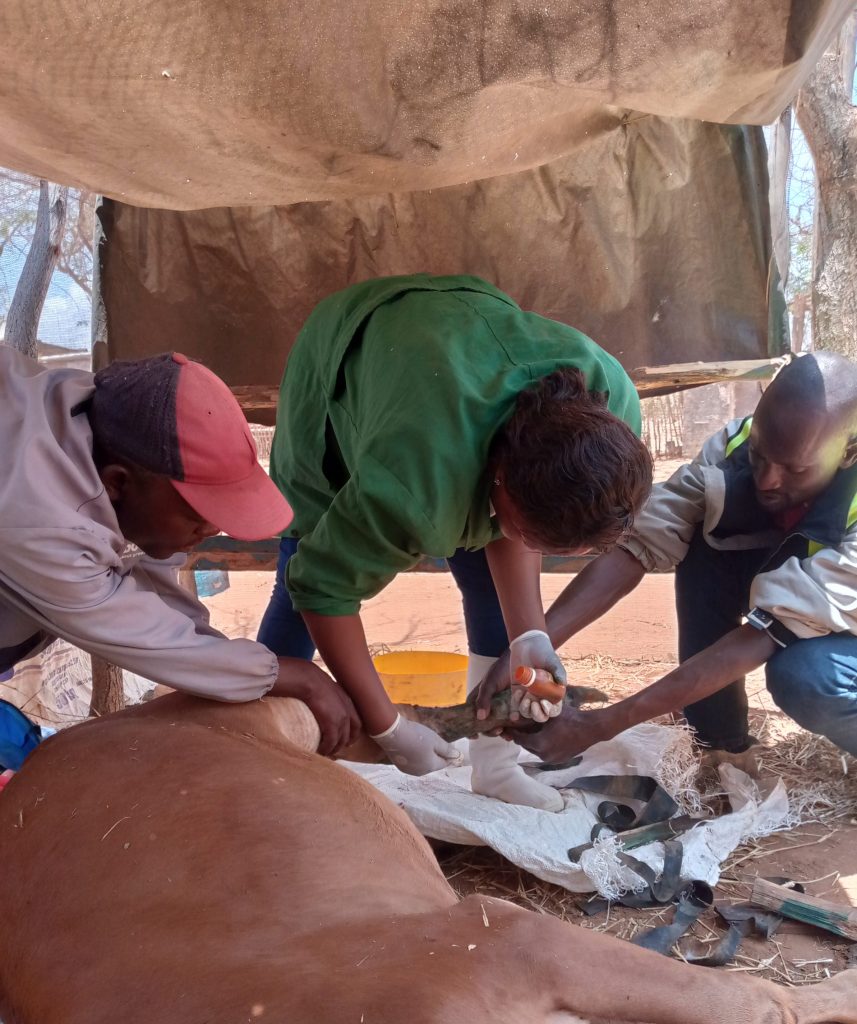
x=537, y=968
x=597, y=977
x=485, y=961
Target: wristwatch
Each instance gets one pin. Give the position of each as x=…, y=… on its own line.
x=780, y=634
x=759, y=618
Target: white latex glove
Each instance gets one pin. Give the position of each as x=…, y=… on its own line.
x=534, y=649
x=416, y=749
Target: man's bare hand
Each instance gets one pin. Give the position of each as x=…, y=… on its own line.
x=562, y=738
x=496, y=680
x=331, y=706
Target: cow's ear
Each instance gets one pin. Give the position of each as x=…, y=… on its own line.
x=850, y=456
x=115, y=478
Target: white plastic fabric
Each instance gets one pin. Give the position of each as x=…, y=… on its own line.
x=442, y=807
x=55, y=687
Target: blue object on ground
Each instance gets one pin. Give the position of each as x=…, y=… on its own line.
x=18, y=736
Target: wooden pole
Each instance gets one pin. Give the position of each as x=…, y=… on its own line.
x=108, y=687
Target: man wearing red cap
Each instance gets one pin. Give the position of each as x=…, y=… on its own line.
x=108, y=480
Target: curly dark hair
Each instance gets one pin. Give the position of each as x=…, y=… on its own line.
x=576, y=473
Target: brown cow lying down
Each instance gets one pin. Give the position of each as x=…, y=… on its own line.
x=193, y=862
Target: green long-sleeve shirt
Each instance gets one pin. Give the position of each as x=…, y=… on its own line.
x=393, y=393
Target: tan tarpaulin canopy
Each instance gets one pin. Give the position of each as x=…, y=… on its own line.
x=554, y=147
x=654, y=240
x=250, y=102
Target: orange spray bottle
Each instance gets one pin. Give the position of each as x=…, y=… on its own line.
x=539, y=683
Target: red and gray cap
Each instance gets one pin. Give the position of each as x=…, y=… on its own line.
x=175, y=417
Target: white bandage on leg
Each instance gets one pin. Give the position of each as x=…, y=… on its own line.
x=496, y=772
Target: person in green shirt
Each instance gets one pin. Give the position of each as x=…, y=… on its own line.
x=431, y=416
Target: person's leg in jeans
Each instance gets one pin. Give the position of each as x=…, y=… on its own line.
x=496, y=771
x=483, y=616
x=712, y=590
x=282, y=629
x=815, y=683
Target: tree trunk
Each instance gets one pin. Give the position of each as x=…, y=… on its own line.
x=829, y=122
x=108, y=690
x=22, y=322
x=799, y=307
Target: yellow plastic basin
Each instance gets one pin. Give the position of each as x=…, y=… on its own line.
x=434, y=679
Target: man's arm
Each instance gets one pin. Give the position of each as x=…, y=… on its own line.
x=71, y=583
x=594, y=591
x=341, y=642
x=734, y=655
x=813, y=596
x=162, y=576
x=76, y=587
x=591, y=593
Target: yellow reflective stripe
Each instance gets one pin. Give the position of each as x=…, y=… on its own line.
x=813, y=547
x=738, y=439
x=852, y=513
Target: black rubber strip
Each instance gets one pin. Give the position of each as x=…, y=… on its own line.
x=696, y=899
x=658, y=805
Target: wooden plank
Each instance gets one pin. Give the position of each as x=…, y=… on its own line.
x=228, y=555
x=651, y=381
x=838, y=918
x=260, y=400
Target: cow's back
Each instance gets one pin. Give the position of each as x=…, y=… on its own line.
x=196, y=850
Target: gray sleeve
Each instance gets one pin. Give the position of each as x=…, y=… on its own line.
x=812, y=596
x=72, y=583
x=161, y=575
x=664, y=528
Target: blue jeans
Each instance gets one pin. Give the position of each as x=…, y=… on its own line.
x=812, y=681
x=815, y=683
x=283, y=629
